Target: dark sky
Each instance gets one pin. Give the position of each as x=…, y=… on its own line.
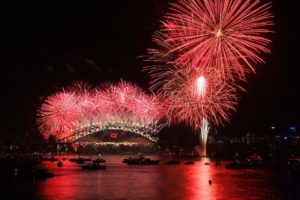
x=47, y=45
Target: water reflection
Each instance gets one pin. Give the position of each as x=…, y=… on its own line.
x=63, y=185
x=187, y=181
x=199, y=178
x=120, y=181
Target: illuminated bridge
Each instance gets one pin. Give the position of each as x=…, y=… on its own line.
x=146, y=132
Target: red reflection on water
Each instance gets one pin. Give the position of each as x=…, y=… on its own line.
x=227, y=184
x=176, y=182
x=62, y=185
x=199, y=177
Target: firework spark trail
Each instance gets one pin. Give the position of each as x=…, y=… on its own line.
x=82, y=91
x=225, y=34
x=122, y=105
x=185, y=104
x=196, y=97
x=203, y=136
x=59, y=114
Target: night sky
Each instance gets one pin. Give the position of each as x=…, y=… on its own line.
x=48, y=45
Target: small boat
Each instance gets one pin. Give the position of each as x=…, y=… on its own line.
x=189, y=162
x=125, y=160
x=79, y=160
x=59, y=164
x=99, y=160
x=140, y=161
x=173, y=162
x=93, y=167
x=72, y=159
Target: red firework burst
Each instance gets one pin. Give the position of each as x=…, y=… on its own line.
x=59, y=114
x=194, y=95
x=124, y=105
x=83, y=91
x=224, y=34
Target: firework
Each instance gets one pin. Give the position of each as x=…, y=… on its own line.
x=81, y=111
x=83, y=92
x=224, y=34
x=194, y=95
x=59, y=114
x=203, y=48
x=203, y=136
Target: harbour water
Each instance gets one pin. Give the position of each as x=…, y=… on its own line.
x=174, y=182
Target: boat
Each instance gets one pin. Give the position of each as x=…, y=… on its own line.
x=125, y=160
x=79, y=160
x=59, y=164
x=140, y=161
x=93, y=167
x=189, y=162
x=99, y=160
x=173, y=162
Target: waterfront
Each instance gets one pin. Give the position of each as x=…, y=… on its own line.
x=121, y=181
